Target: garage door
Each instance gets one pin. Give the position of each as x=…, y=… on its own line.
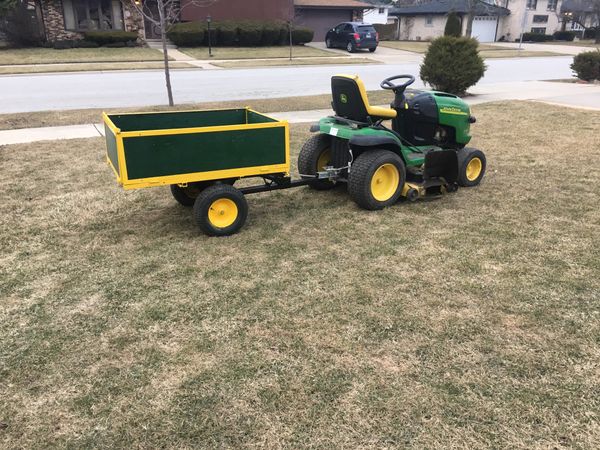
x=321, y=20
x=484, y=28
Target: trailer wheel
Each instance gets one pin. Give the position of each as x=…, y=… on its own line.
x=471, y=166
x=186, y=196
x=314, y=156
x=220, y=210
x=376, y=179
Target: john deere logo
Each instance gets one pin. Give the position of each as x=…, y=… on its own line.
x=343, y=98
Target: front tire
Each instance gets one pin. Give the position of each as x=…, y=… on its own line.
x=376, y=179
x=220, y=210
x=314, y=156
x=471, y=166
x=350, y=47
x=328, y=43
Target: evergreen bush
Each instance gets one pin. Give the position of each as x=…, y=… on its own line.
x=452, y=64
x=110, y=37
x=302, y=35
x=586, y=65
x=453, y=26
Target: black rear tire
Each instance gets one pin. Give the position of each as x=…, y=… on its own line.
x=372, y=50
x=363, y=175
x=220, y=210
x=314, y=155
x=471, y=166
x=350, y=47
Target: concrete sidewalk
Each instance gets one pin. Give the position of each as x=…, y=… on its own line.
x=572, y=95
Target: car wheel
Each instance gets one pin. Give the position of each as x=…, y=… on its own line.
x=372, y=50
x=350, y=47
x=328, y=43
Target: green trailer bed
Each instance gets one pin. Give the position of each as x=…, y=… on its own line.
x=177, y=148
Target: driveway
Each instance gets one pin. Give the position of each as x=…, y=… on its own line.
x=556, y=48
x=382, y=54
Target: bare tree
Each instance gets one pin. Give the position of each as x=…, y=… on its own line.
x=579, y=11
x=163, y=14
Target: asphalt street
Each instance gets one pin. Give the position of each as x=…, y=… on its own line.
x=23, y=93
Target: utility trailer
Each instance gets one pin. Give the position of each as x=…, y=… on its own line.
x=200, y=154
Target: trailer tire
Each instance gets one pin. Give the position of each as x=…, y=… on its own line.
x=220, y=210
x=376, y=179
x=314, y=155
x=471, y=166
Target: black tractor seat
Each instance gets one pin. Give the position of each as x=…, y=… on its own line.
x=350, y=101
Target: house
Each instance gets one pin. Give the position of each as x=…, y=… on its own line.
x=580, y=15
x=69, y=19
x=377, y=14
x=494, y=19
x=322, y=15
x=238, y=10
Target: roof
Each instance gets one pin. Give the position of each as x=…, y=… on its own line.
x=351, y=4
x=445, y=6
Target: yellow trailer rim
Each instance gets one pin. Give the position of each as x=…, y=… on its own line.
x=474, y=169
x=385, y=181
x=222, y=213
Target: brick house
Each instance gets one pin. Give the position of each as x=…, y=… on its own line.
x=69, y=19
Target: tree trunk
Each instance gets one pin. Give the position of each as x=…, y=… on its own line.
x=163, y=37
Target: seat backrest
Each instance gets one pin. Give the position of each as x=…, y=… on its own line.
x=348, y=98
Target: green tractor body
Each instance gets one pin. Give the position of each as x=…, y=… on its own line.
x=428, y=136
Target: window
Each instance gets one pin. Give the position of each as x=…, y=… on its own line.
x=552, y=5
x=531, y=4
x=84, y=15
x=429, y=21
x=540, y=19
x=381, y=10
x=538, y=30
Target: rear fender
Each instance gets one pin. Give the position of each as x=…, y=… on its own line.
x=361, y=143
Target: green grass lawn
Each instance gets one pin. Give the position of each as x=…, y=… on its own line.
x=583, y=43
x=134, y=65
x=256, y=52
x=77, y=55
x=466, y=322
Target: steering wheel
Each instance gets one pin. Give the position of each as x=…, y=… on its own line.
x=387, y=83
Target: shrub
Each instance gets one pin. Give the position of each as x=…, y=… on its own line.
x=271, y=32
x=250, y=34
x=452, y=64
x=586, y=65
x=387, y=31
x=302, y=35
x=453, y=25
x=110, y=37
x=63, y=44
x=227, y=34
x=189, y=34
x=591, y=33
x=564, y=36
x=85, y=44
x=536, y=37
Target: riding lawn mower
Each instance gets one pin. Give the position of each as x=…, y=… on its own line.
x=423, y=153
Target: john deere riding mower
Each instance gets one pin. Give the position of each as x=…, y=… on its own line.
x=423, y=152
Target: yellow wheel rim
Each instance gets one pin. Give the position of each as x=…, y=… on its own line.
x=222, y=213
x=384, y=183
x=474, y=169
x=324, y=160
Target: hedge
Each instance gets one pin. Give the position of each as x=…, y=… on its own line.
x=564, y=36
x=237, y=33
x=586, y=65
x=110, y=37
x=591, y=33
x=387, y=31
x=536, y=37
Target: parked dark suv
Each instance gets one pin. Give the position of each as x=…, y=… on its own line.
x=353, y=36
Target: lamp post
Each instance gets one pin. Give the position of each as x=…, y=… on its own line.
x=208, y=21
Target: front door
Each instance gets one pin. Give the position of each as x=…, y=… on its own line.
x=151, y=30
